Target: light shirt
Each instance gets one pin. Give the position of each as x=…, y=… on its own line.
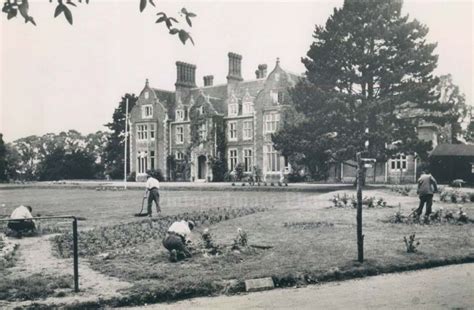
x=427, y=185
x=152, y=182
x=181, y=228
x=21, y=212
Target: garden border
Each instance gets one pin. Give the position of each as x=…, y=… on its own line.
x=234, y=287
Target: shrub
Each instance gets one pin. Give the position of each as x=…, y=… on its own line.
x=239, y=171
x=462, y=216
x=402, y=190
x=209, y=246
x=241, y=240
x=410, y=243
x=131, y=176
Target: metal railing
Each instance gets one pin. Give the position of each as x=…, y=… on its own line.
x=74, y=238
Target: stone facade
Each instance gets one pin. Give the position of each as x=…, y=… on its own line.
x=177, y=131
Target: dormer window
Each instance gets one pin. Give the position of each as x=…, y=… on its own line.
x=147, y=95
x=201, y=110
x=180, y=115
x=233, y=109
x=281, y=97
x=147, y=111
x=247, y=108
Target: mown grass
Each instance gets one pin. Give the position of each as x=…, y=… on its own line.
x=300, y=254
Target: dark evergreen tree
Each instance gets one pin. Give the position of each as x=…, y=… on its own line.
x=3, y=160
x=364, y=67
x=114, y=150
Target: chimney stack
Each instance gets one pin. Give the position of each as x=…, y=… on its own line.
x=261, y=72
x=235, y=70
x=186, y=74
x=208, y=80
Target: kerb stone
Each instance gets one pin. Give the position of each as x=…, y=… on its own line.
x=261, y=284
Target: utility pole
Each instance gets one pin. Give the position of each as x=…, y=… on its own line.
x=125, y=145
x=360, y=236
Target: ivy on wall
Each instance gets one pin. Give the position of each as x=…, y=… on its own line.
x=215, y=138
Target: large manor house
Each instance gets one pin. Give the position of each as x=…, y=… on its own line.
x=178, y=131
x=185, y=132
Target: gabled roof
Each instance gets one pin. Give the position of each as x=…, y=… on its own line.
x=217, y=91
x=167, y=98
x=464, y=150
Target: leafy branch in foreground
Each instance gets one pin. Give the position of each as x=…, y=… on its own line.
x=12, y=7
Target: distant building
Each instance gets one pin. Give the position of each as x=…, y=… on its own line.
x=181, y=132
x=402, y=168
x=449, y=162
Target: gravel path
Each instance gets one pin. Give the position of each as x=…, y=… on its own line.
x=35, y=256
x=450, y=287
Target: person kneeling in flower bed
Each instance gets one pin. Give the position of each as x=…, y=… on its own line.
x=21, y=221
x=177, y=239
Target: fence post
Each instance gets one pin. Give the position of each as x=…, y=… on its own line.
x=76, y=256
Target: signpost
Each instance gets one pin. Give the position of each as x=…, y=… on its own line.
x=361, y=164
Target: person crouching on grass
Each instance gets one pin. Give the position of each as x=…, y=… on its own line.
x=177, y=238
x=152, y=189
x=22, y=221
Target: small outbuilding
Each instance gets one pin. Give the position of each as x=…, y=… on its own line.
x=449, y=162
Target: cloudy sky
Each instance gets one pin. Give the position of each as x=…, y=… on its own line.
x=56, y=77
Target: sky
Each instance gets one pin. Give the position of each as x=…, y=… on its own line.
x=56, y=77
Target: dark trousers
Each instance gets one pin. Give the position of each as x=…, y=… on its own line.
x=20, y=226
x=153, y=195
x=175, y=242
x=428, y=199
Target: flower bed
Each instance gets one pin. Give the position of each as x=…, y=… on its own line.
x=451, y=195
x=440, y=216
x=346, y=201
x=124, y=236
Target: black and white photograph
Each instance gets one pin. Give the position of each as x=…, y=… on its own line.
x=237, y=154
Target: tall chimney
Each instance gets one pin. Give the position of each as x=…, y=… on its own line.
x=263, y=71
x=235, y=70
x=208, y=80
x=185, y=74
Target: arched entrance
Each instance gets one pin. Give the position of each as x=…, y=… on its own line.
x=202, y=167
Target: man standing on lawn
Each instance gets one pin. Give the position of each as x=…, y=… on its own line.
x=22, y=221
x=427, y=186
x=177, y=238
x=152, y=189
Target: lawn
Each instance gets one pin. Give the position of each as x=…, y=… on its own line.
x=309, y=240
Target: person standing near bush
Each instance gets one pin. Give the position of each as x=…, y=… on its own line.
x=152, y=189
x=427, y=186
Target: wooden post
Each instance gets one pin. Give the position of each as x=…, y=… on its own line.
x=360, y=236
x=76, y=255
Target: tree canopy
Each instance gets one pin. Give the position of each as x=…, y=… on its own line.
x=114, y=150
x=65, y=8
x=364, y=67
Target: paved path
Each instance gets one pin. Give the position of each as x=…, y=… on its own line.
x=450, y=287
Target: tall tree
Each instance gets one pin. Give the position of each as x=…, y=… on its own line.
x=3, y=160
x=114, y=150
x=60, y=164
x=363, y=66
x=454, y=101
